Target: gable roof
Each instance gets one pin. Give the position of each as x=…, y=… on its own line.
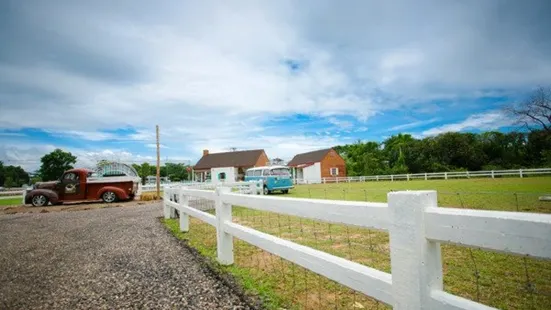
x=310, y=157
x=229, y=159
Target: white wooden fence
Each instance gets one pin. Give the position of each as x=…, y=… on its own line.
x=416, y=226
x=433, y=175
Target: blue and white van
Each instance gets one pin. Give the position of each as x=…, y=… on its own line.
x=275, y=178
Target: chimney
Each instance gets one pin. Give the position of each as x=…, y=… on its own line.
x=205, y=152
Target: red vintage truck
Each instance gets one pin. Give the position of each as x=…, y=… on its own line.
x=82, y=185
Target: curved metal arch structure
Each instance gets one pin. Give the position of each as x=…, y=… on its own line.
x=115, y=169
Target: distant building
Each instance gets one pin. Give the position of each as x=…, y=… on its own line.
x=152, y=179
x=314, y=166
x=227, y=166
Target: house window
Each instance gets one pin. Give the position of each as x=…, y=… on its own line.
x=222, y=176
x=334, y=171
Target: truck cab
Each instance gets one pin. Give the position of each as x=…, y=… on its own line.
x=82, y=185
x=274, y=178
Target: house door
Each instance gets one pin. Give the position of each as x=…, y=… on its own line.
x=300, y=174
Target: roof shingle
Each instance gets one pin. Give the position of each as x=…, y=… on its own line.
x=310, y=157
x=229, y=159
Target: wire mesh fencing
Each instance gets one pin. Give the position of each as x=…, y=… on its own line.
x=494, y=279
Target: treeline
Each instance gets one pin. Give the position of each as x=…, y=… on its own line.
x=452, y=151
x=12, y=176
x=174, y=171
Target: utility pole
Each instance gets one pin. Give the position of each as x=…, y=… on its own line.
x=158, y=165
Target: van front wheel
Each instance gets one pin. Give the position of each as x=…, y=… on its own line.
x=266, y=191
x=285, y=191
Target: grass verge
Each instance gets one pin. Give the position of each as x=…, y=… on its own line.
x=11, y=201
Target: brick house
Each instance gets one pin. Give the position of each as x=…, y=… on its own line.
x=227, y=166
x=313, y=167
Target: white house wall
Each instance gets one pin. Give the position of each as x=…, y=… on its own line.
x=312, y=173
x=231, y=174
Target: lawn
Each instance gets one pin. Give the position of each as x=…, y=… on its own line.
x=498, y=280
x=10, y=201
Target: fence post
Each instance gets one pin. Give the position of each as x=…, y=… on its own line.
x=425, y=176
x=445, y=175
x=407, y=176
x=224, y=241
x=520, y=173
x=323, y=180
x=24, y=195
x=391, y=178
x=183, y=200
x=253, y=188
x=492, y=174
x=415, y=261
x=260, y=186
x=377, y=178
x=468, y=176
x=166, y=208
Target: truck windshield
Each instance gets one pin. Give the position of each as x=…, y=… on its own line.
x=280, y=171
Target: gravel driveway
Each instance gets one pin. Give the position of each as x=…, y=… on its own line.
x=102, y=259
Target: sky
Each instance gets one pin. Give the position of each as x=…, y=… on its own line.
x=95, y=77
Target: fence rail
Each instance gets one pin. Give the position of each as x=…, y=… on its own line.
x=416, y=228
x=432, y=175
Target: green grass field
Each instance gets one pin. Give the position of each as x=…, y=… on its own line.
x=498, y=280
x=10, y=201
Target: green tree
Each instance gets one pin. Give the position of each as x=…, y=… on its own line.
x=55, y=163
x=9, y=182
x=17, y=175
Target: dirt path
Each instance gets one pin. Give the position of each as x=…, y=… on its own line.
x=106, y=258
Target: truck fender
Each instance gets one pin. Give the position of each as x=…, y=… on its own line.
x=121, y=194
x=52, y=196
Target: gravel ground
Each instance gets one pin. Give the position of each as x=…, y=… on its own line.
x=113, y=258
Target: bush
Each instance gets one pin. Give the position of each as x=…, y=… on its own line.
x=149, y=197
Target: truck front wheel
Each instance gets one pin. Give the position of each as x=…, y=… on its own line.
x=39, y=200
x=109, y=197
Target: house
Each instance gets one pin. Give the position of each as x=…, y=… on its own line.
x=228, y=166
x=313, y=167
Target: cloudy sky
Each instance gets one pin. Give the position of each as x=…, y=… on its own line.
x=95, y=77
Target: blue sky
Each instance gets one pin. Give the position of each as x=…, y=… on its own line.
x=289, y=77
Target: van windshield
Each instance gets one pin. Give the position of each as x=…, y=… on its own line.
x=280, y=171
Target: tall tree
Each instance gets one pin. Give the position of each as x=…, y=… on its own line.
x=55, y=163
x=535, y=112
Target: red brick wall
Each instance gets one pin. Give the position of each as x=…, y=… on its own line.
x=262, y=160
x=332, y=160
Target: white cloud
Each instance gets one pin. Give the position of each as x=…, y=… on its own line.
x=211, y=74
x=483, y=121
x=341, y=124
x=154, y=146
x=413, y=124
